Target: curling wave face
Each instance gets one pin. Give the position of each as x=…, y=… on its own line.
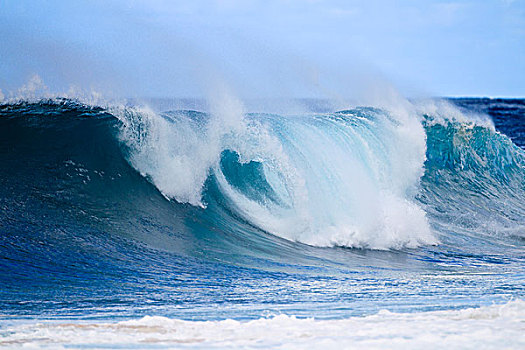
x=346, y=179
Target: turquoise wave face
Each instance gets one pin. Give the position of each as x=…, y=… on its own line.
x=474, y=182
x=116, y=212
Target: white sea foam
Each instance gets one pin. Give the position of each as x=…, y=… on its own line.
x=489, y=327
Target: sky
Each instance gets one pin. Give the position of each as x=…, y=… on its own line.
x=272, y=48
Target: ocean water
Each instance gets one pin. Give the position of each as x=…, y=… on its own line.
x=135, y=227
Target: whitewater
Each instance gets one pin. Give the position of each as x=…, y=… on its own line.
x=134, y=225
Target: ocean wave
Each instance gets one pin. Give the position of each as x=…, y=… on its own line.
x=345, y=179
x=366, y=178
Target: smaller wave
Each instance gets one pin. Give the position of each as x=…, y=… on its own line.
x=474, y=178
x=496, y=326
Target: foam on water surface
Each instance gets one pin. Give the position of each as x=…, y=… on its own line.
x=488, y=327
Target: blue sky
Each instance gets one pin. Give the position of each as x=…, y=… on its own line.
x=286, y=48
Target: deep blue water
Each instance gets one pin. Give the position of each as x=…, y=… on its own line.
x=116, y=213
